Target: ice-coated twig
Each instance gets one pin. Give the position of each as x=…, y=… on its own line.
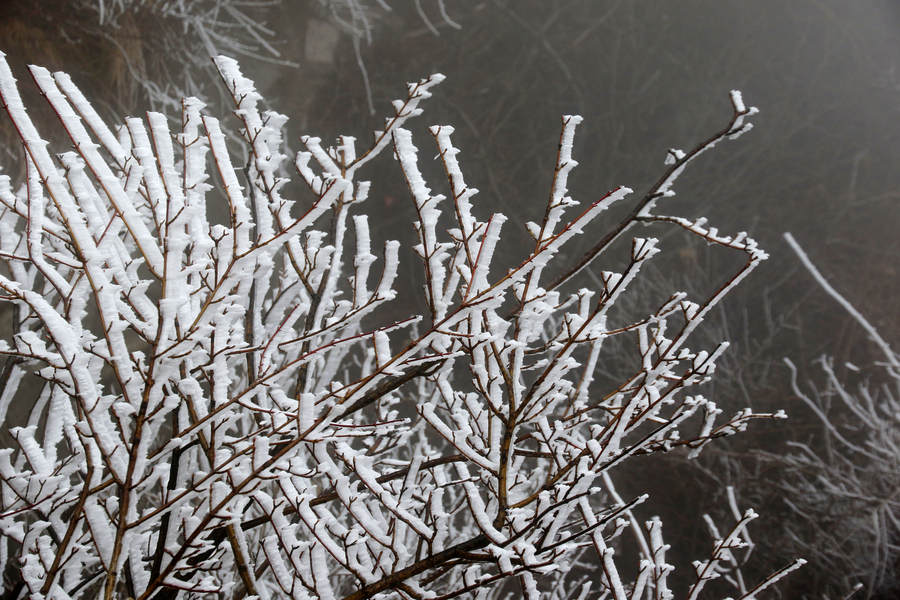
x=889, y=355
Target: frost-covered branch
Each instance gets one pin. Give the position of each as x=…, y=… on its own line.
x=205, y=397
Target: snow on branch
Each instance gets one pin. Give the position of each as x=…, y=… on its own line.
x=204, y=396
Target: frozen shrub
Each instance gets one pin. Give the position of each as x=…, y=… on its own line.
x=219, y=409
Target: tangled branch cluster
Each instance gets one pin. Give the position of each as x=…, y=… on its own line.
x=217, y=408
x=844, y=487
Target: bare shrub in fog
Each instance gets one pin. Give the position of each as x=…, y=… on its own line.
x=843, y=487
x=199, y=407
x=177, y=38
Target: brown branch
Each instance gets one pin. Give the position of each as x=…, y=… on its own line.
x=431, y=562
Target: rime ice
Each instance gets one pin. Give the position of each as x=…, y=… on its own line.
x=228, y=409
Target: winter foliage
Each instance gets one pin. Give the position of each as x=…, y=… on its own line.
x=219, y=409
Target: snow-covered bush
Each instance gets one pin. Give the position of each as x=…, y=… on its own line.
x=200, y=408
